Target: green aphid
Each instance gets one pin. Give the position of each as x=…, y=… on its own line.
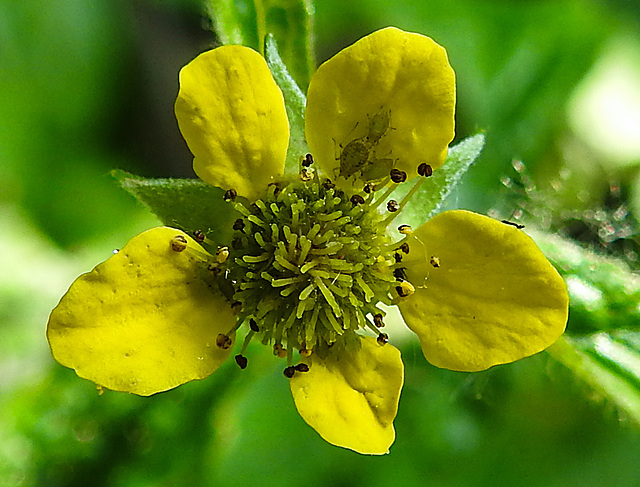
x=358, y=155
x=354, y=156
x=378, y=126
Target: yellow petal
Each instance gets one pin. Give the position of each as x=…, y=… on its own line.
x=390, y=73
x=493, y=299
x=351, y=399
x=144, y=321
x=232, y=115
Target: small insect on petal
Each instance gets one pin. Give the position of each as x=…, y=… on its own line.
x=397, y=176
x=405, y=230
x=425, y=170
x=230, y=195
x=222, y=254
x=178, y=243
x=517, y=225
x=405, y=289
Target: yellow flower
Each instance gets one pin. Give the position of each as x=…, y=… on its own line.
x=311, y=260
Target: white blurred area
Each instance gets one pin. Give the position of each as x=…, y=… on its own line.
x=605, y=108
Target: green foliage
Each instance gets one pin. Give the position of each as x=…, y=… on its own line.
x=429, y=198
x=249, y=23
x=187, y=204
x=295, y=102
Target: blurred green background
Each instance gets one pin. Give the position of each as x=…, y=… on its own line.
x=89, y=86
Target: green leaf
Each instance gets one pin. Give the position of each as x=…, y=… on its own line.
x=235, y=22
x=428, y=199
x=609, y=364
x=291, y=23
x=295, y=102
x=248, y=23
x=604, y=292
x=187, y=204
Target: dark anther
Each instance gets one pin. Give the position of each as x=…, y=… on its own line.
x=328, y=184
x=356, y=200
x=236, y=306
x=178, y=243
x=398, y=176
x=405, y=229
x=223, y=341
x=308, y=160
x=392, y=205
x=517, y=225
x=400, y=274
x=369, y=188
x=215, y=269
x=239, y=225
x=253, y=325
x=377, y=320
x=397, y=257
x=404, y=247
x=425, y=170
x=230, y=195
x=301, y=367
x=289, y=372
x=405, y=289
x=241, y=360
x=339, y=193
x=434, y=261
x=199, y=236
x=382, y=339
x=277, y=187
x=236, y=243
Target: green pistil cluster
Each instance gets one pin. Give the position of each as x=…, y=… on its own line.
x=310, y=263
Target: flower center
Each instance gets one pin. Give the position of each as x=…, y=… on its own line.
x=311, y=263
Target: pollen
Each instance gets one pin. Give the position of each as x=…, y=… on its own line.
x=314, y=264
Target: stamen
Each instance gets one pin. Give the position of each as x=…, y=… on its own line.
x=230, y=195
x=253, y=325
x=377, y=320
x=223, y=341
x=382, y=339
x=178, y=243
x=434, y=261
x=301, y=367
x=392, y=206
x=239, y=225
x=242, y=361
x=425, y=170
x=405, y=289
x=198, y=236
x=398, y=176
